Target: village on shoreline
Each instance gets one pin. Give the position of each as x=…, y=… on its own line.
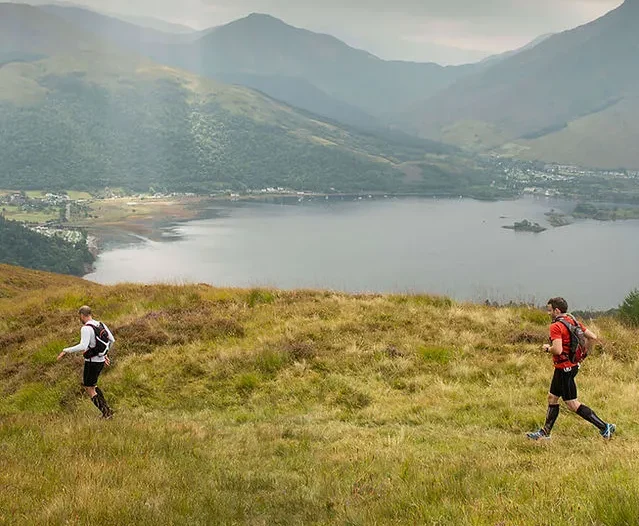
x=80, y=215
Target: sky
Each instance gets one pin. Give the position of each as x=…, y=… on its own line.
x=443, y=31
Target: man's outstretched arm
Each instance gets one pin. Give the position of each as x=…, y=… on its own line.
x=85, y=339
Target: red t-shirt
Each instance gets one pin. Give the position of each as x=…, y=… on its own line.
x=559, y=331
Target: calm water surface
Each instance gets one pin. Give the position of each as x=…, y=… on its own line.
x=452, y=247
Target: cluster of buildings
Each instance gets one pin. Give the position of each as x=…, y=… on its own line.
x=533, y=177
x=69, y=235
x=23, y=200
x=52, y=227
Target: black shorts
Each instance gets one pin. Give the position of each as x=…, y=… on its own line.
x=91, y=372
x=563, y=384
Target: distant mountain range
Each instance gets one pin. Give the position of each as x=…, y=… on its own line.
x=570, y=97
x=315, y=72
x=507, y=54
x=573, y=98
x=78, y=112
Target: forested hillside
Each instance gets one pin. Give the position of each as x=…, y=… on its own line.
x=95, y=116
x=20, y=246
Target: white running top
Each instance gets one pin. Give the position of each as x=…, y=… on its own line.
x=87, y=340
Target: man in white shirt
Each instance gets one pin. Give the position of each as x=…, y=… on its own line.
x=95, y=341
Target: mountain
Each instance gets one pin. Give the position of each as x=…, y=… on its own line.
x=314, y=72
x=75, y=112
x=27, y=30
x=300, y=93
x=183, y=51
x=156, y=23
x=125, y=35
x=149, y=22
x=263, y=45
x=18, y=281
x=502, y=56
x=572, y=98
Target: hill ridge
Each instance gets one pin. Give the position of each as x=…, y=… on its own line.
x=541, y=90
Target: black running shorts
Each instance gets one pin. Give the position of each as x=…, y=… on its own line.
x=563, y=384
x=91, y=372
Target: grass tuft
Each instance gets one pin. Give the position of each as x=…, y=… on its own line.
x=260, y=297
x=436, y=354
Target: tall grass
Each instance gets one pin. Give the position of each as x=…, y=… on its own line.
x=266, y=407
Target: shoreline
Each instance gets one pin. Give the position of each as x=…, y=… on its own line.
x=126, y=220
x=117, y=222
x=158, y=217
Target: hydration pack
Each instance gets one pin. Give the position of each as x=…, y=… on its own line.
x=101, y=342
x=578, y=346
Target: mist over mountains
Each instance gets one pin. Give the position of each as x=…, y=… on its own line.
x=312, y=71
x=78, y=112
x=572, y=98
x=79, y=88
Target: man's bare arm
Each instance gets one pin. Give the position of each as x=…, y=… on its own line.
x=556, y=348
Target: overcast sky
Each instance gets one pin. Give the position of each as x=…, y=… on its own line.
x=445, y=31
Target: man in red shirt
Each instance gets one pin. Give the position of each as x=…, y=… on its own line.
x=563, y=382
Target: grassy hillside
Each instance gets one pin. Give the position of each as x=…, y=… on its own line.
x=17, y=281
x=266, y=407
x=582, y=139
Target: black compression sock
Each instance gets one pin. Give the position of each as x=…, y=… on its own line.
x=551, y=418
x=104, y=407
x=589, y=415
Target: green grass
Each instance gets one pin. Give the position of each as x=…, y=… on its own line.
x=268, y=407
x=75, y=195
x=15, y=213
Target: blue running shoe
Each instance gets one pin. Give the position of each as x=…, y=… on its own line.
x=538, y=435
x=609, y=431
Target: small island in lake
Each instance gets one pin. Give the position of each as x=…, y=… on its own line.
x=558, y=219
x=526, y=226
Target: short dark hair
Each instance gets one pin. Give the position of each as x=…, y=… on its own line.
x=559, y=303
x=85, y=310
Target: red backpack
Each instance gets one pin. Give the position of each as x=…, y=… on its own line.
x=578, y=346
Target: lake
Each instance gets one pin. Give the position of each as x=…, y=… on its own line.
x=452, y=247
